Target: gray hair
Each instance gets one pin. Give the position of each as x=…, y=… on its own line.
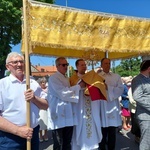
x=13, y=54
x=40, y=80
x=58, y=59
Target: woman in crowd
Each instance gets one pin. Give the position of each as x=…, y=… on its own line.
x=125, y=105
x=43, y=120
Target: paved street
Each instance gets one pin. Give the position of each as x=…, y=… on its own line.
x=125, y=141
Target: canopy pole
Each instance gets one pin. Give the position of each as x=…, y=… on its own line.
x=66, y=3
x=106, y=54
x=26, y=45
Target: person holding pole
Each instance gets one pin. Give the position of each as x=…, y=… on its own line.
x=14, y=131
x=62, y=100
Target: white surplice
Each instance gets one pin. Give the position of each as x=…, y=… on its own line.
x=62, y=99
x=110, y=109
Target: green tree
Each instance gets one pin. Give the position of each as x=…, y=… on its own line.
x=71, y=71
x=129, y=67
x=10, y=27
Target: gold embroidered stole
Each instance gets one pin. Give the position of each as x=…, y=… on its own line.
x=88, y=114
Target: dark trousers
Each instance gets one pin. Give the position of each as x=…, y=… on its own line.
x=62, y=138
x=109, y=138
x=35, y=139
x=12, y=142
x=135, y=126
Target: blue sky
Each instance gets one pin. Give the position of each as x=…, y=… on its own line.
x=139, y=8
x=135, y=8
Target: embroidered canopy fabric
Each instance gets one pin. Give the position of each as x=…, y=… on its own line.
x=63, y=31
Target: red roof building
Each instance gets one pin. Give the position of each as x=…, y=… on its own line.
x=42, y=71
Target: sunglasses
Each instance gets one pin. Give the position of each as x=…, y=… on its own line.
x=64, y=65
x=16, y=62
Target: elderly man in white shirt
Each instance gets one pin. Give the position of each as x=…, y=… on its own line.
x=62, y=99
x=13, y=96
x=110, y=109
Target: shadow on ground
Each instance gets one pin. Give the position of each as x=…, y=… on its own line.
x=124, y=141
x=48, y=145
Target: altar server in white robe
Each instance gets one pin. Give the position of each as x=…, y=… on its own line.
x=87, y=133
x=62, y=98
x=110, y=109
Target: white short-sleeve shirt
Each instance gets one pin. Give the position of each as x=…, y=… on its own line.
x=13, y=103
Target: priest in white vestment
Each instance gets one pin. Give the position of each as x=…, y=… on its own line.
x=87, y=133
x=110, y=109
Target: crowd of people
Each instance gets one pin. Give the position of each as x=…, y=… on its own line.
x=82, y=114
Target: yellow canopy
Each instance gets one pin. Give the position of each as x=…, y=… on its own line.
x=63, y=31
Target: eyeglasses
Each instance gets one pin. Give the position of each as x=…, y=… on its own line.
x=16, y=62
x=64, y=65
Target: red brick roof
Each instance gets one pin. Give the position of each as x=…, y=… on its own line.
x=43, y=70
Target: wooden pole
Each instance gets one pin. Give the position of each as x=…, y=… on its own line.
x=26, y=46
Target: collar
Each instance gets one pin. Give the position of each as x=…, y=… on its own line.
x=14, y=79
x=61, y=74
x=144, y=75
x=80, y=75
x=104, y=73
